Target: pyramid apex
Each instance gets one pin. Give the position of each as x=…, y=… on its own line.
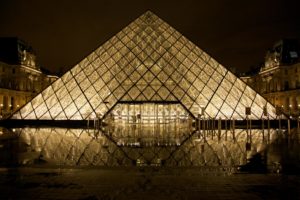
x=149, y=12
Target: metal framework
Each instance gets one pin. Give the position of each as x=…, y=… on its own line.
x=147, y=61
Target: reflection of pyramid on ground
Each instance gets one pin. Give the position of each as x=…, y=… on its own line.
x=85, y=147
x=147, y=61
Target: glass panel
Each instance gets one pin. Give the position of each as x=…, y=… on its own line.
x=75, y=92
x=31, y=116
x=51, y=101
x=221, y=92
x=95, y=101
x=217, y=101
x=26, y=109
x=41, y=110
x=61, y=116
x=70, y=110
x=207, y=92
x=88, y=70
x=37, y=101
x=90, y=92
x=227, y=110
x=86, y=111
x=80, y=101
x=198, y=84
x=47, y=92
x=55, y=110
x=211, y=110
x=66, y=100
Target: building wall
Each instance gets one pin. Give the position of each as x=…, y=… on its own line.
x=20, y=81
x=279, y=82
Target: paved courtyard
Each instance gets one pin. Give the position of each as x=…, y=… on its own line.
x=143, y=183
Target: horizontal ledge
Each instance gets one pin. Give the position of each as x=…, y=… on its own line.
x=14, y=123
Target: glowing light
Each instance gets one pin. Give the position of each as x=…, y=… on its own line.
x=198, y=81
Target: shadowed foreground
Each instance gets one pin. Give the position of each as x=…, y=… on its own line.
x=143, y=183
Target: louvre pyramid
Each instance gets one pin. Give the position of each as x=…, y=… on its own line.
x=146, y=61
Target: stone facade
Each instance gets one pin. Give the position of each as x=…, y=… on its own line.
x=20, y=77
x=279, y=78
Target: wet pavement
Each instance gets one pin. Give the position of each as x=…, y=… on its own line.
x=143, y=183
x=51, y=163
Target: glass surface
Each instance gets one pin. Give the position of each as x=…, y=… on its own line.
x=175, y=143
x=146, y=61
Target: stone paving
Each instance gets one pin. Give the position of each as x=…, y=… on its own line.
x=143, y=183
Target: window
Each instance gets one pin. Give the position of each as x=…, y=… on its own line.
x=297, y=83
x=286, y=85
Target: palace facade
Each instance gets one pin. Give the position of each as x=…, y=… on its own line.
x=278, y=80
x=21, y=78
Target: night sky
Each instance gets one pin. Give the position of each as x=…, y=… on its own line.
x=236, y=33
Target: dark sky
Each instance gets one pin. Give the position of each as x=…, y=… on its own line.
x=236, y=33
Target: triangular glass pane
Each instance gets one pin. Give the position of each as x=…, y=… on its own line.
x=60, y=116
x=237, y=115
x=66, y=77
x=31, y=116
x=46, y=116
x=171, y=97
x=76, y=116
x=126, y=98
x=141, y=97
x=156, y=98
x=17, y=115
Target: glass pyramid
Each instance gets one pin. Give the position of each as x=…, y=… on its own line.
x=147, y=61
